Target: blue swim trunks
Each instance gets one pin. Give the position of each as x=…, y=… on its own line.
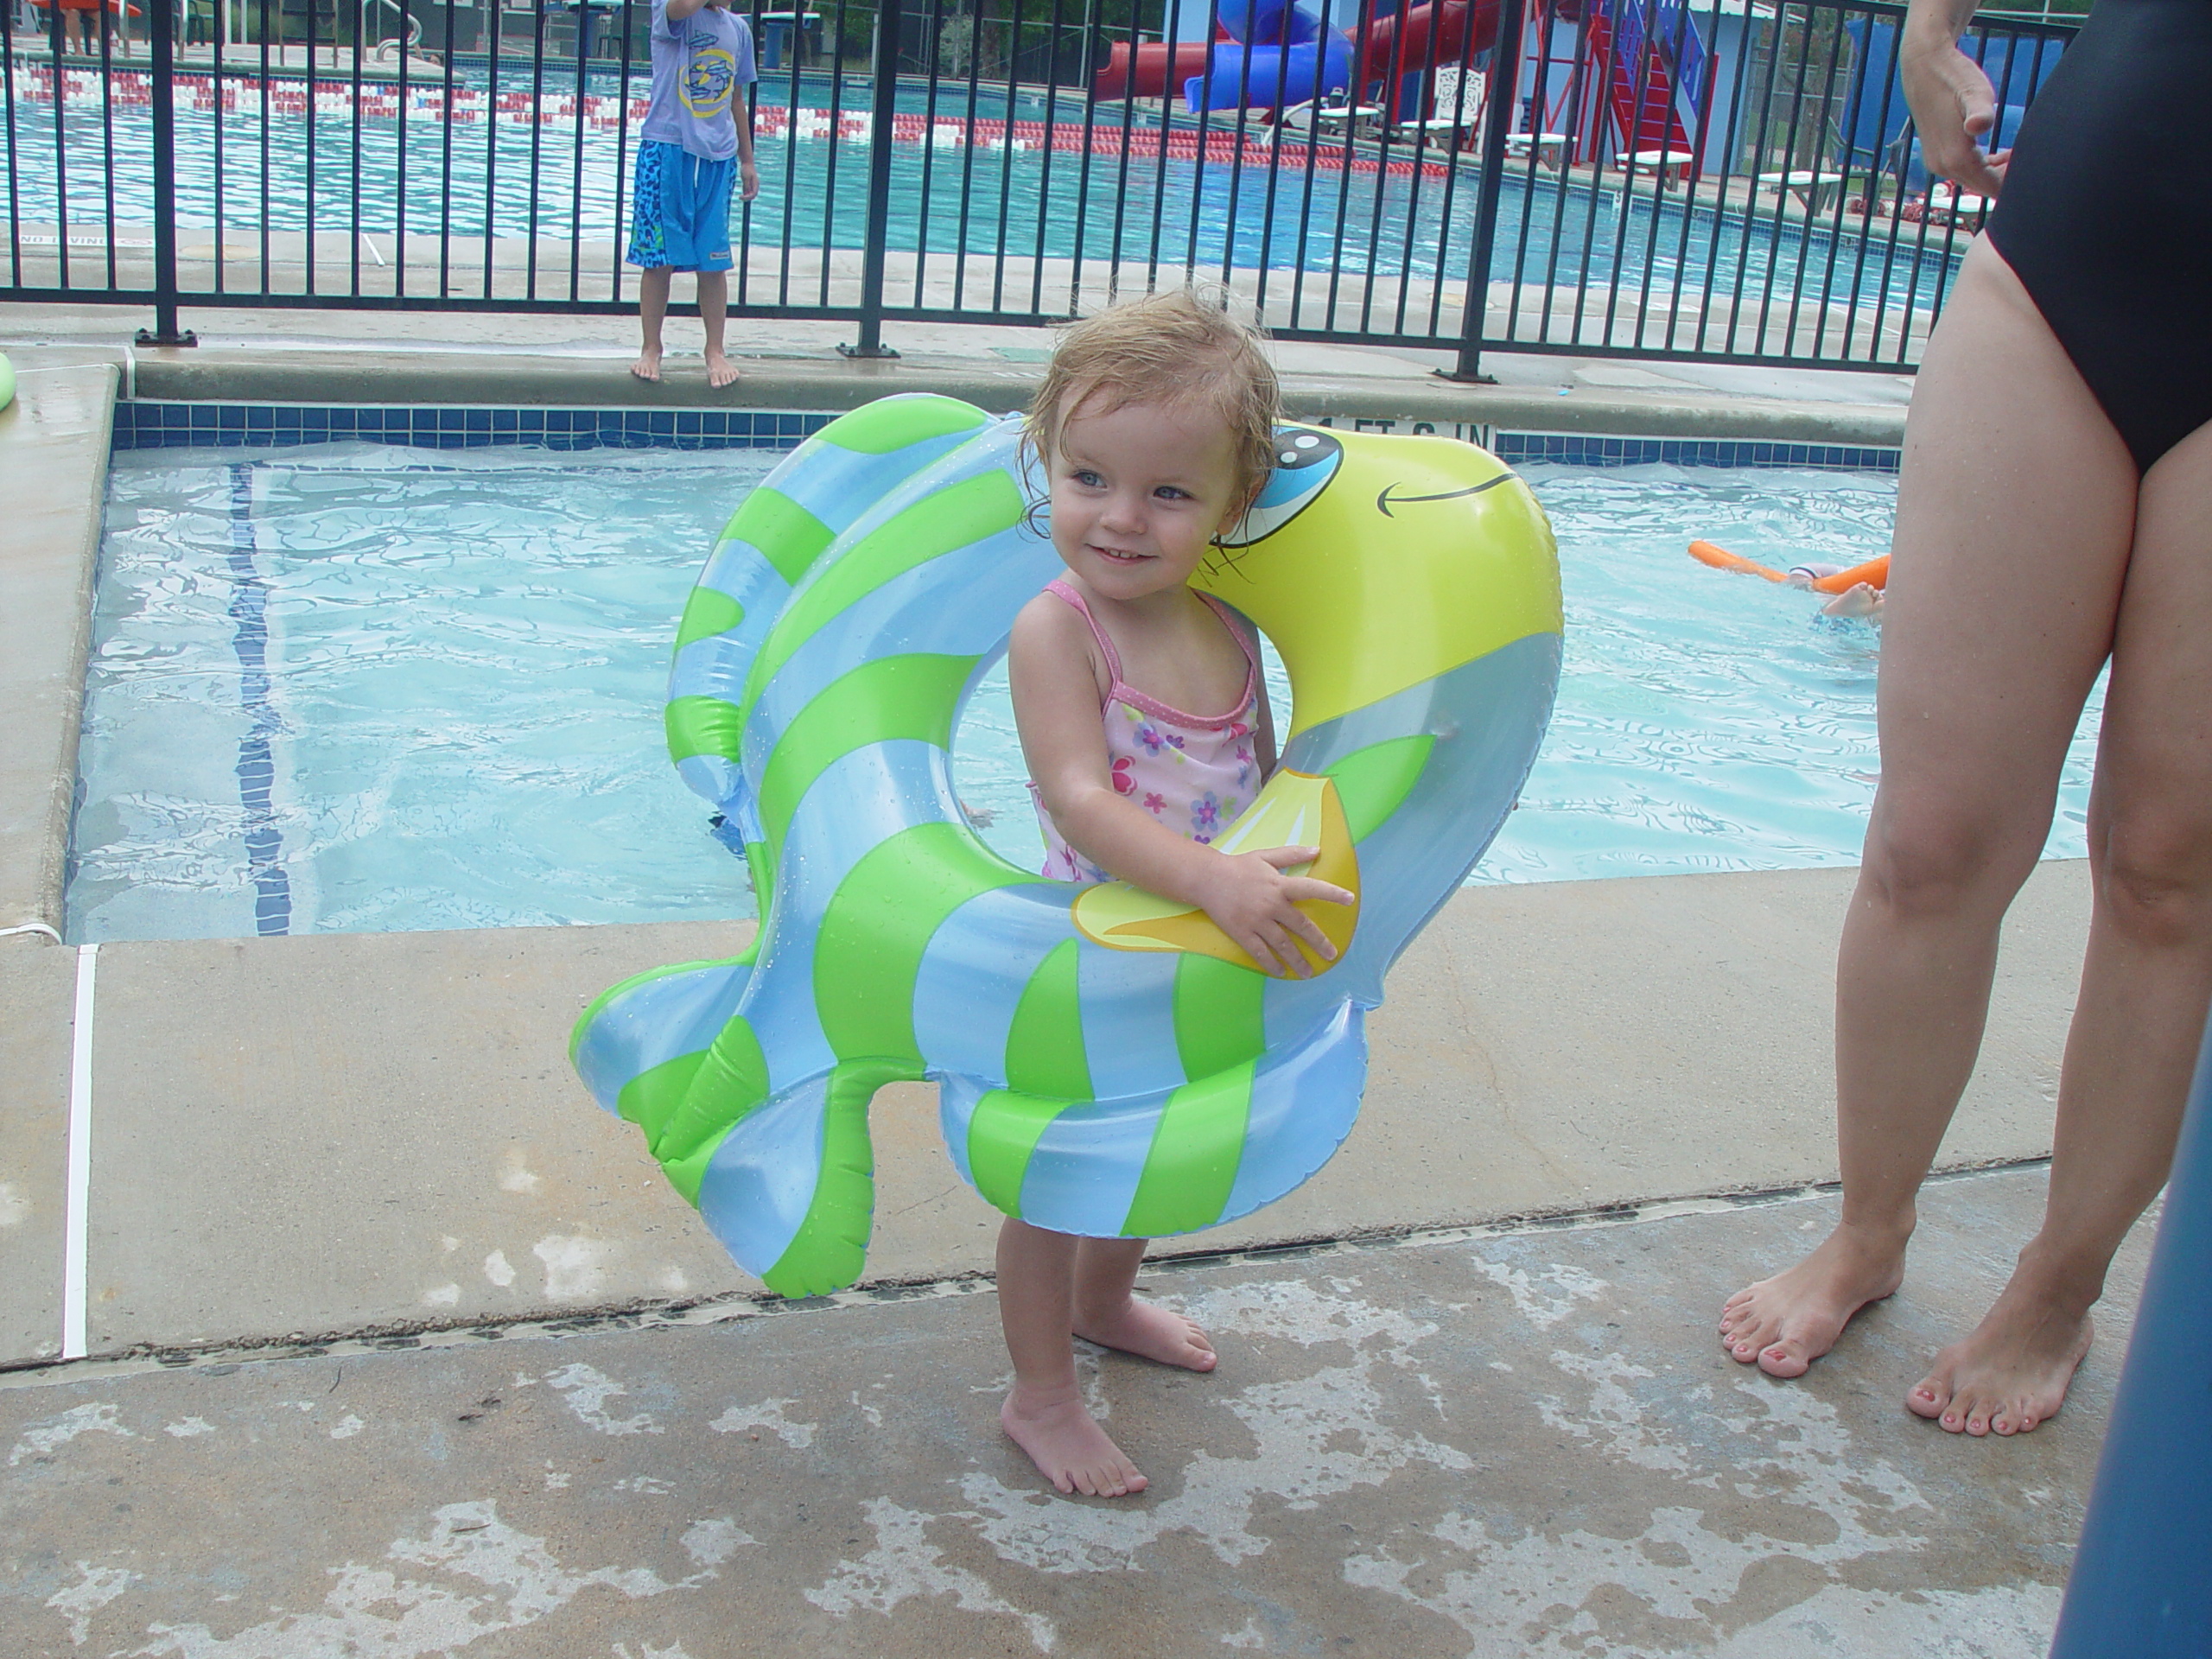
x=681, y=214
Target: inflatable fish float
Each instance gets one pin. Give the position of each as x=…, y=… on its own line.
x=1109, y=1064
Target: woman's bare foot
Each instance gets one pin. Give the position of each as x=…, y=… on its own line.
x=647, y=368
x=1066, y=1444
x=1787, y=1322
x=2012, y=1372
x=1150, y=1332
x=721, y=371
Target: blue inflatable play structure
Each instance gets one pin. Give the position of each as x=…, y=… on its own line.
x=1280, y=53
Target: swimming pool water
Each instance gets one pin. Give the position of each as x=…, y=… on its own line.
x=343, y=688
x=510, y=180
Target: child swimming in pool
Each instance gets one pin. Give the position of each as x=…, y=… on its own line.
x=1155, y=429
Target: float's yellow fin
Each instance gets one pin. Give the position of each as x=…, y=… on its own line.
x=1296, y=809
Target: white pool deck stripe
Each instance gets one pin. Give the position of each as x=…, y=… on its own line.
x=78, y=1199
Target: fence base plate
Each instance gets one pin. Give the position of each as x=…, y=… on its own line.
x=148, y=337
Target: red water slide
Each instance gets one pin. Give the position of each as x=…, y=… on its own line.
x=1158, y=65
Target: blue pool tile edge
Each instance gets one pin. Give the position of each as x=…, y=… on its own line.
x=1582, y=449
x=201, y=425
x=143, y=425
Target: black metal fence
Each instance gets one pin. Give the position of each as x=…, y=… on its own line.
x=1731, y=180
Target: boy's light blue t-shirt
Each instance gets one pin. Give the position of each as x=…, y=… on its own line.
x=699, y=62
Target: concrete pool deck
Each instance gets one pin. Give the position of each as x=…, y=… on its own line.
x=334, y=1157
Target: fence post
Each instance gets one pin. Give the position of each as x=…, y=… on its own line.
x=162, y=47
x=2139, y=1588
x=1502, y=105
x=890, y=26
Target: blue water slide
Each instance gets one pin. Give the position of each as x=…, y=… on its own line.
x=1280, y=53
x=1875, y=117
x=1264, y=77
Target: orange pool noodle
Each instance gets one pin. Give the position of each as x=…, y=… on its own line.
x=1875, y=573
x=1721, y=559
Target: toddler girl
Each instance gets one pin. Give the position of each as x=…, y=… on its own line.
x=1155, y=428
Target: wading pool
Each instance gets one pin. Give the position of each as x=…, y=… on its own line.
x=360, y=688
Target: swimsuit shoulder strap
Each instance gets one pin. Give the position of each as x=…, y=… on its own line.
x=1237, y=632
x=1061, y=590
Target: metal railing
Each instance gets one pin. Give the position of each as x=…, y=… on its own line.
x=1728, y=180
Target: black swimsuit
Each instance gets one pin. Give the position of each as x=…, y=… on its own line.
x=2106, y=215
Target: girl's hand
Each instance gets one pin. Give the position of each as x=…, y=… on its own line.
x=1250, y=899
x=1954, y=106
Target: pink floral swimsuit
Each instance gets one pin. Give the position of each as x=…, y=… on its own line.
x=1193, y=772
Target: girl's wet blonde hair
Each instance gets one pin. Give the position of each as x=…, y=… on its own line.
x=1181, y=349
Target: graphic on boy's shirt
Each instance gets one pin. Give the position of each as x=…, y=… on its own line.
x=708, y=78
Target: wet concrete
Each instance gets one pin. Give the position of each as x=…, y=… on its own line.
x=53, y=445
x=1514, y=1443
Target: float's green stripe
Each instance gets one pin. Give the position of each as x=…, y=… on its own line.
x=878, y=924
x=1217, y=1015
x=1001, y=1135
x=598, y=1003
x=878, y=429
x=909, y=696
x=788, y=536
x=701, y=726
x=830, y=1247
x=1195, y=1151
x=1374, y=782
x=709, y=612
x=1044, y=1046
x=650, y=1099
x=731, y=1084
x=936, y=525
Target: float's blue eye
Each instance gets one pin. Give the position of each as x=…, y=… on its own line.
x=1305, y=460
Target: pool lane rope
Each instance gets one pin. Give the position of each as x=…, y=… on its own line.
x=1108, y=1062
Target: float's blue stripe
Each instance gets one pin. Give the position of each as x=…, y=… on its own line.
x=874, y=787
x=761, y=1178
x=652, y=1023
x=1083, y=1174
x=1129, y=1020
x=907, y=614
x=998, y=938
x=1303, y=1104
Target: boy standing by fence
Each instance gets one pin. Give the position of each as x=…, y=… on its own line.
x=703, y=58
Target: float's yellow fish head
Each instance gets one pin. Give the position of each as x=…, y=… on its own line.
x=1376, y=562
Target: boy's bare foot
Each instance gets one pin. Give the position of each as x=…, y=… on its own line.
x=721, y=371
x=1150, y=1332
x=1787, y=1322
x=1066, y=1444
x=647, y=368
x=2012, y=1371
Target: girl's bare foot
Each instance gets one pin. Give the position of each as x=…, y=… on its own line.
x=647, y=368
x=2012, y=1371
x=1149, y=1332
x=1787, y=1322
x=1066, y=1444
x=721, y=371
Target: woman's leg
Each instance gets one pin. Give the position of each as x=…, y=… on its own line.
x=2015, y=510
x=2147, y=980
x=1045, y=1413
